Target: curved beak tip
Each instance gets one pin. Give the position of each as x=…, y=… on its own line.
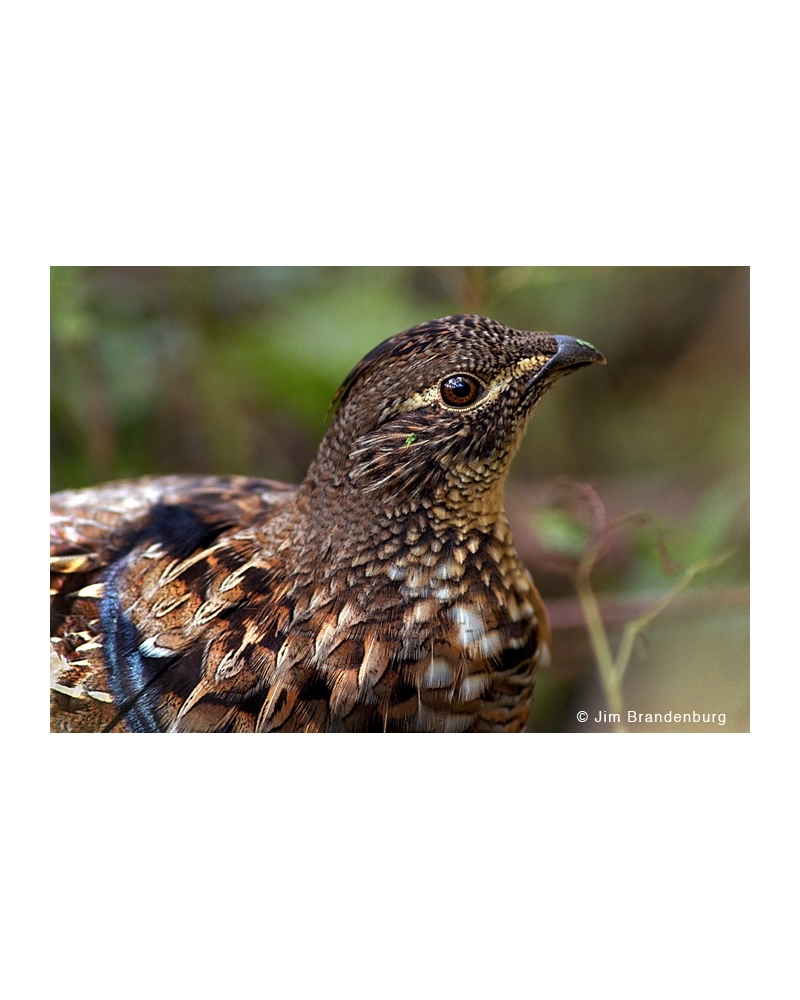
x=571, y=354
x=597, y=358
x=572, y=351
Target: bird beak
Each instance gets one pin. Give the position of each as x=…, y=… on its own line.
x=570, y=355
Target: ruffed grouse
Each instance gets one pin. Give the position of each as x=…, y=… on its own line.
x=382, y=594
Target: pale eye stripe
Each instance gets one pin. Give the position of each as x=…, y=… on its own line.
x=430, y=395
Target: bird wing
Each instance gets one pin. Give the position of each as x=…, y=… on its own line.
x=105, y=544
x=176, y=605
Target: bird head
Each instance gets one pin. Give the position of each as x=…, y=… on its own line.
x=439, y=410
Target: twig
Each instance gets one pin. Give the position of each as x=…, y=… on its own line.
x=612, y=669
x=638, y=625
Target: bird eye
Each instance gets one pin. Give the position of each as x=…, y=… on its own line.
x=460, y=390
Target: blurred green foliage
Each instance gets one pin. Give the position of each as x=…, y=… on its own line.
x=222, y=370
x=163, y=369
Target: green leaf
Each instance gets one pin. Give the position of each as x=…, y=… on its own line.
x=558, y=532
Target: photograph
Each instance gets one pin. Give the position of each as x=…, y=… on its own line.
x=368, y=499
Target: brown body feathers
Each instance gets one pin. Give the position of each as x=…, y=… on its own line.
x=381, y=594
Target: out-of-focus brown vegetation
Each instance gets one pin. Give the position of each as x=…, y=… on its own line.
x=222, y=370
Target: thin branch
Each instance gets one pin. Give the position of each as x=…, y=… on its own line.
x=612, y=668
x=638, y=625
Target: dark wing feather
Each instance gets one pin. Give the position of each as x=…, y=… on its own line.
x=92, y=533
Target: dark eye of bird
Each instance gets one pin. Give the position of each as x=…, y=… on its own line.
x=460, y=390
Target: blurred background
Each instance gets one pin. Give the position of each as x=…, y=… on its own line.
x=232, y=370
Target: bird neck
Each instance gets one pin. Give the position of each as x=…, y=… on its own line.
x=339, y=516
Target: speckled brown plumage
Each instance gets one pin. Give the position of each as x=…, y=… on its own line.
x=382, y=594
